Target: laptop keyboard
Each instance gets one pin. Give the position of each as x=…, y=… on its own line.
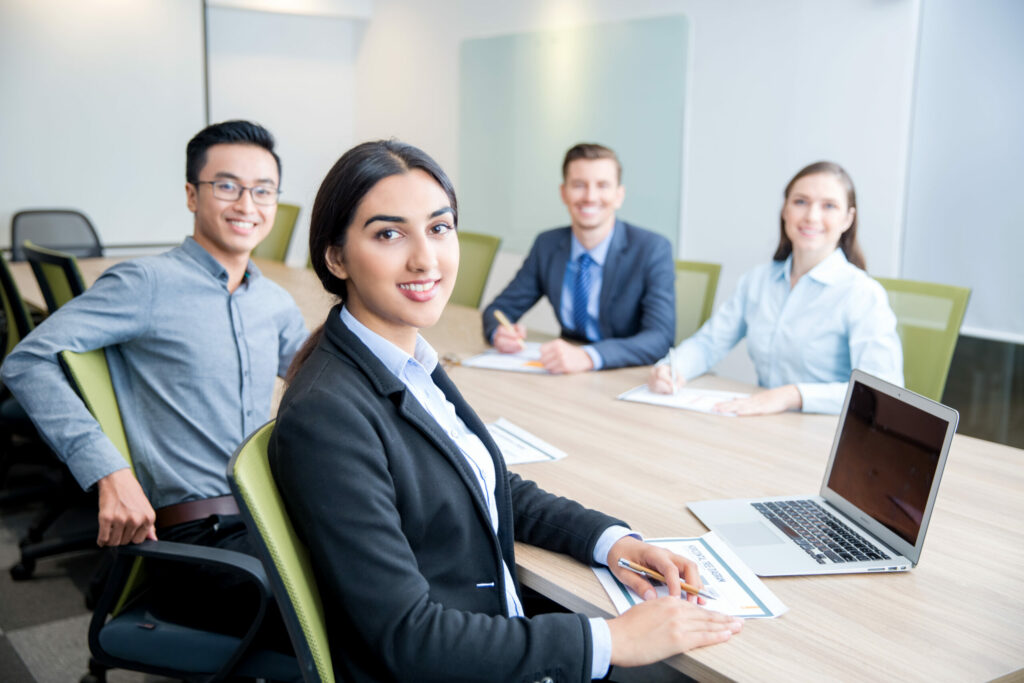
x=819, y=533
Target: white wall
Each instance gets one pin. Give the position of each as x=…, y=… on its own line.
x=98, y=101
x=294, y=75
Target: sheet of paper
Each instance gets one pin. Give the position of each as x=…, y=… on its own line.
x=737, y=590
x=519, y=446
x=688, y=398
x=527, y=360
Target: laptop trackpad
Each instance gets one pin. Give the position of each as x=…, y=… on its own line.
x=749, y=533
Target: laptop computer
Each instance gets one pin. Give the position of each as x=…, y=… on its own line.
x=876, y=497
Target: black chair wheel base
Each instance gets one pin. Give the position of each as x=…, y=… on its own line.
x=23, y=570
x=97, y=673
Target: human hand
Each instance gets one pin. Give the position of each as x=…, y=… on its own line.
x=125, y=513
x=560, y=357
x=509, y=340
x=656, y=629
x=673, y=567
x=660, y=380
x=777, y=400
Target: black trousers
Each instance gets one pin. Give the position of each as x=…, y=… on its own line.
x=213, y=598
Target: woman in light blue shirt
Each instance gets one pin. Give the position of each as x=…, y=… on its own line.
x=810, y=316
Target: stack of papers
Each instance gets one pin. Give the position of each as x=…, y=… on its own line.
x=701, y=400
x=527, y=360
x=519, y=446
x=737, y=590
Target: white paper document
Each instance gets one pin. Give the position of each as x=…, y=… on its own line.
x=688, y=398
x=737, y=590
x=519, y=446
x=527, y=360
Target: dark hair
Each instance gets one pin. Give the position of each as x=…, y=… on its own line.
x=590, y=150
x=235, y=132
x=343, y=189
x=848, y=240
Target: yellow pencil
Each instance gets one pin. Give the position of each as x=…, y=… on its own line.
x=505, y=322
x=644, y=571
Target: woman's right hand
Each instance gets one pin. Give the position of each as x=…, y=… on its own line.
x=655, y=629
x=660, y=380
x=509, y=340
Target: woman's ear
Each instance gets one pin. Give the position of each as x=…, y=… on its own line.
x=336, y=263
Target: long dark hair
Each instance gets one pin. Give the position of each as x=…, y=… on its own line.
x=349, y=180
x=848, y=240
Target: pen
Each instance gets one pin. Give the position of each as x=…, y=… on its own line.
x=506, y=323
x=644, y=571
x=672, y=367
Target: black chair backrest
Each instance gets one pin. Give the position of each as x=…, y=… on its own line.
x=64, y=229
x=17, y=323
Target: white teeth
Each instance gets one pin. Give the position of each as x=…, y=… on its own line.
x=245, y=225
x=418, y=287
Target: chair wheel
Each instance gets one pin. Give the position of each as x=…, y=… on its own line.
x=23, y=570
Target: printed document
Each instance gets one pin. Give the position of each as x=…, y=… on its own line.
x=527, y=360
x=519, y=446
x=688, y=398
x=737, y=590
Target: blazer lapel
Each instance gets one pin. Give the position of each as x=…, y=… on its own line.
x=614, y=270
x=556, y=273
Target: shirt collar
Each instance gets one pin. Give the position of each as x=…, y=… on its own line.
x=212, y=265
x=598, y=253
x=827, y=272
x=394, y=359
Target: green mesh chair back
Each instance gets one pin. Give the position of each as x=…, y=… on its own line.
x=476, y=257
x=284, y=555
x=696, y=284
x=275, y=245
x=57, y=274
x=17, y=322
x=928, y=319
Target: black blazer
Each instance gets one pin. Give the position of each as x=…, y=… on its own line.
x=637, y=305
x=399, y=535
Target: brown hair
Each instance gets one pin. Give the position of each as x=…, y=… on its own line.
x=343, y=189
x=590, y=150
x=848, y=240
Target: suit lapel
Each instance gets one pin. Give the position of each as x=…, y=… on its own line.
x=612, y=273
x=556, y=273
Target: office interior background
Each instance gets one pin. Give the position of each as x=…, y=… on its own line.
x=712, y=105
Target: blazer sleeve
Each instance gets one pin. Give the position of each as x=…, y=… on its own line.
x=657, y=310
x=521, y=294
x=330, y=460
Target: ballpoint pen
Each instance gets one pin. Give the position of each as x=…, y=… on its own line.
x=672, y=367
x=644, y=571
x=505, y=322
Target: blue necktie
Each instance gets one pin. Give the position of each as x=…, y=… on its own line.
x=581, y=294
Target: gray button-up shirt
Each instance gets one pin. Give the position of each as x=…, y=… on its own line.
x=193, y=366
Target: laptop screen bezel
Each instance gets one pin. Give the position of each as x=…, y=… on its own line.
x=948, y=415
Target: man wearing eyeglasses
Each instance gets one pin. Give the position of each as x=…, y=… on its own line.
x=194, y=338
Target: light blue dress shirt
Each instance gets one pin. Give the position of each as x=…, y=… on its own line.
x=414, y=372
x=193, y=366
x=813, y=335
x=599, y=253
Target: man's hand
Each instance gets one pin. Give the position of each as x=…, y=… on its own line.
x=125, y=513
x=509, y=340
x=560, y=357
x=673, y=567
x=777, y=400
x=656, y=629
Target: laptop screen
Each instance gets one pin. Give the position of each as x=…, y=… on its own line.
x=886, y=459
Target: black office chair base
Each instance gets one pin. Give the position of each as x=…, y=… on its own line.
x=97, y=672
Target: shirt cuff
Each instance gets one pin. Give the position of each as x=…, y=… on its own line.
x=594, y=356
x=607, y=539
x=601, y=639
x=822, y=397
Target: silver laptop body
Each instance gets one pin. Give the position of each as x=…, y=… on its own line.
x=881, y=481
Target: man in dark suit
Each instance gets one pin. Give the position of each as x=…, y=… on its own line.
x=612, y=284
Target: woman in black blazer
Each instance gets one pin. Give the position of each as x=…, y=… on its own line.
x=397, y=489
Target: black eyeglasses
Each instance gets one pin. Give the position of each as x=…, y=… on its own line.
x=231, y=191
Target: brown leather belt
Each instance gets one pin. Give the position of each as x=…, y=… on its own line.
x=191, y=510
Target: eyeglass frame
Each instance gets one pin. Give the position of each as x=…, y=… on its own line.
x=242, y=189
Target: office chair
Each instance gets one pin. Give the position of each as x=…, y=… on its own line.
x=275, y=245
x=928, y=317
x=477, y=252
x=284, y=556
x=65, y=229
x=133, y=637
x=56, y=272
x=696, y=285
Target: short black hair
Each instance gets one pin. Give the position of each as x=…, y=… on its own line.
x=234, y=132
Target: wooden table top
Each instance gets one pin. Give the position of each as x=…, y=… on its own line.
x=958, y=616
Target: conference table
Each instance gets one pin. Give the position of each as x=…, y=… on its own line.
x=957, y=616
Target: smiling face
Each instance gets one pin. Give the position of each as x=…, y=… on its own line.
x=815, y=216
x=592, y=194
x=230, y=230
x=400, y=257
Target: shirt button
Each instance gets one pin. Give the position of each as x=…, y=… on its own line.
x=248, y=413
